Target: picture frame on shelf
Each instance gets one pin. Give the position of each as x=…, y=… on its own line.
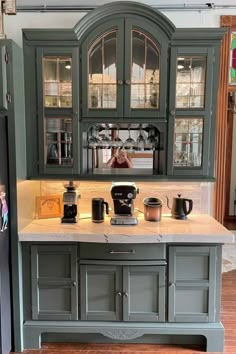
x=49, y=206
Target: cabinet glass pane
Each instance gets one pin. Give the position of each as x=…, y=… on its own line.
x=190, y=82
x=102, y=72
x=57, y=82
x=144, y=72
x=188, y=142
x=58, y=141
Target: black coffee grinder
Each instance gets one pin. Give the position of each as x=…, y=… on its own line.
x=70, y=204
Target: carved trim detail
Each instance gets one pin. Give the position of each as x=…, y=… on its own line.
x=122, y=333
x=226, y=21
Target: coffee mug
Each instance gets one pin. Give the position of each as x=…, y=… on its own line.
x=98, y=209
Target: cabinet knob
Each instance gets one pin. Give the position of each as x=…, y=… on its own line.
x=172, y=285
x=73, y=283
x=125, y=294
x=172, y=112
x=120, y=82
x=127, y=82
x=119, y=293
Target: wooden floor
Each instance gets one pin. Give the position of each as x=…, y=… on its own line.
x=228, y=317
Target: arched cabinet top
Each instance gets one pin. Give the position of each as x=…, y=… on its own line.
x=120, y=10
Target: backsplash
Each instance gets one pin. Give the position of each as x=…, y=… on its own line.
x=199, y=192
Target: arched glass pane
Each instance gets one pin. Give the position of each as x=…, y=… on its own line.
x=145, y=72
x=190, y=82
x=102, y=71
x=57, y=81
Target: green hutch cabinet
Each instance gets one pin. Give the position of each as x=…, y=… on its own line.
x=123, y=78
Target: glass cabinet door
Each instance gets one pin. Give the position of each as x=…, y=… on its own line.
x=125, y=71
x=58, y=110
x=145, y=71
x=190, y=113
x=102, y=71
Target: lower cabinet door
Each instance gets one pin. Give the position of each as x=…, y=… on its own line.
x=144, y=293
x=192, y=284
x=54, y=282
x=101, y=292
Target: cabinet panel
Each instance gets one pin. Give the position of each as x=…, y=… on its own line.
x=144, y=293
x=101, y=292
x=191, y=301
x=3, y=78
x=54, y=282
x=192, y=284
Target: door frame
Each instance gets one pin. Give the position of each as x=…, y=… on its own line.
x=221, y=193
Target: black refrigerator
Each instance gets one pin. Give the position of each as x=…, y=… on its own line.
x=5, y=281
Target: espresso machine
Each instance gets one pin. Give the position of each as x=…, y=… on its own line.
x=123, y=194
x=70, y=198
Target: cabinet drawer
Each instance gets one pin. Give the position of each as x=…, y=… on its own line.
x=116, y=251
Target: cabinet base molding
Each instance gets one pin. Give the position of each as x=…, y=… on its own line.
x=120, y=331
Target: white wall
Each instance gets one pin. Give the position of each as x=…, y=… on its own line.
x=13, y=24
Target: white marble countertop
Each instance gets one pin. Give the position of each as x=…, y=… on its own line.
x=196, y=229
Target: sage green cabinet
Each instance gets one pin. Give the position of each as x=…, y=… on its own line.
x=125, y=70
x=193, y=286
x=128, y=293
x=4, y=95
x=54, y=282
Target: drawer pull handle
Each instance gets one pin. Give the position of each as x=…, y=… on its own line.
x=122, y=252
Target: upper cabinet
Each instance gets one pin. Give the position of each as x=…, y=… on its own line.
x=125, y=70
x=192, y=101
x=123, y=78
